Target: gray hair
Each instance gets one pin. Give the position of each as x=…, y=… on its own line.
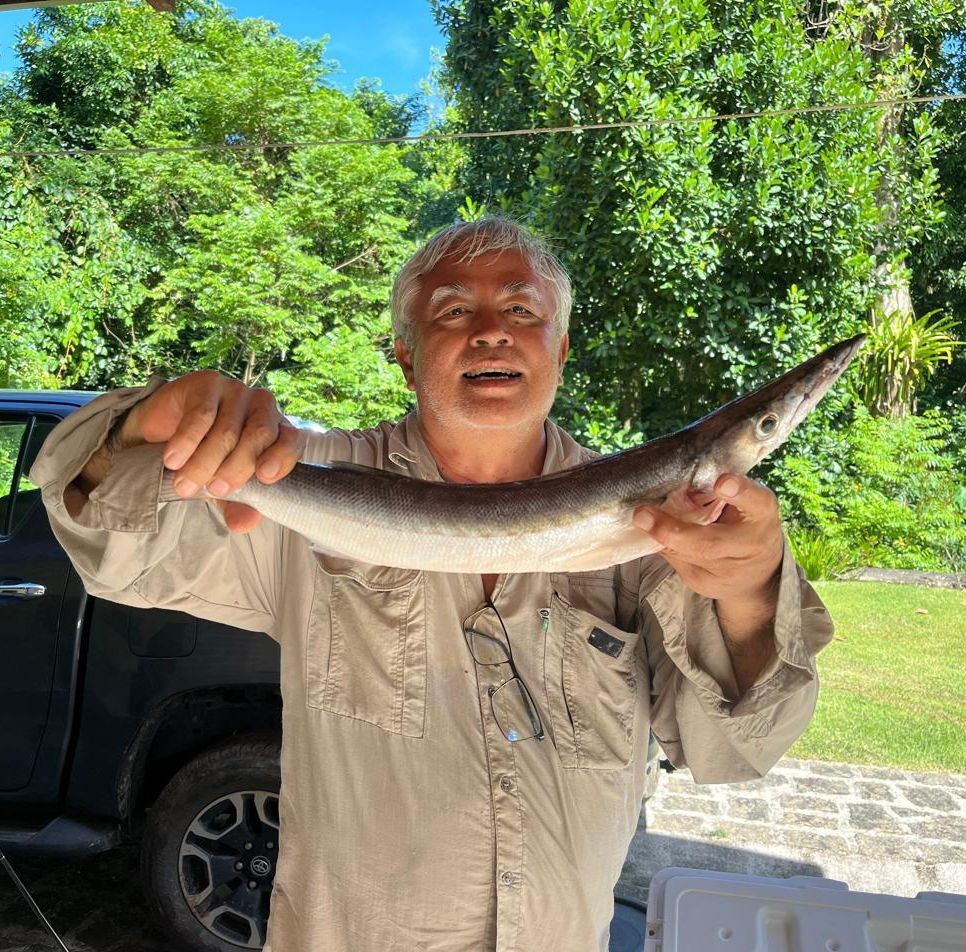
x=468, y=240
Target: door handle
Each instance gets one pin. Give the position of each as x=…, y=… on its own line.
x=21, y=590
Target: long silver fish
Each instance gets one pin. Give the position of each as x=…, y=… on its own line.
x=575, y=520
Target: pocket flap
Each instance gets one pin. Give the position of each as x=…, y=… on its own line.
x=378, y=578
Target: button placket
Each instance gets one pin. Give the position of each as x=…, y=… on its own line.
x=507, y=818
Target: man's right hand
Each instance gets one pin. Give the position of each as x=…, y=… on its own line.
x=218, y=433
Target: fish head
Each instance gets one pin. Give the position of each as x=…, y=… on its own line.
x=737, y=436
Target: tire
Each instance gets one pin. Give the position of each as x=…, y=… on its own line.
x=210, y=846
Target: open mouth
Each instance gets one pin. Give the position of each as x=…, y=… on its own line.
x=492, y=374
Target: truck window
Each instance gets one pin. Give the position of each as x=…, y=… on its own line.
x=20, y=442
x=11, y=440
x=28, y=495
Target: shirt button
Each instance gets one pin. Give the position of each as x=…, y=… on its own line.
x=506, y=784
x=507, y=878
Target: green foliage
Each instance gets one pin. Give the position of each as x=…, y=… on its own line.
x=26, y=245
x=705, y=256
x=438, y=195
x=346, y=381
x=392, y=116
x=939, y=261
x=895, y=497
x=11, y=438
x=819, y=556
x=901, y=352
x=957, y=429
x=263, y=263
x=433, y=194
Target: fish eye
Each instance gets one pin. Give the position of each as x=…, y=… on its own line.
x=767, y=425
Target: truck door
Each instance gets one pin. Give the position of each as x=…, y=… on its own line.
x=33, y=578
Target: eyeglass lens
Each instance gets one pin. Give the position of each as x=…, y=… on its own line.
x=513, y=707
x=514, y=711
x=487, y=637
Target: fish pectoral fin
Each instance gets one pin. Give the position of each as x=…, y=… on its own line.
x=690, y=505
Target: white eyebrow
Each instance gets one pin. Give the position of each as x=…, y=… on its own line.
x=521, y=287
x=447, y=291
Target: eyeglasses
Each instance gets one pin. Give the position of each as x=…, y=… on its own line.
x=513, y=708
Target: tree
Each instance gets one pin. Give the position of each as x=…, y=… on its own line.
x=906, y=43
x=259, y=261
x=434, y=193
x=706, y=256
x=939, y=262
x=26, y=241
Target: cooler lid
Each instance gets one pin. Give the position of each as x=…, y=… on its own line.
x=695, y=910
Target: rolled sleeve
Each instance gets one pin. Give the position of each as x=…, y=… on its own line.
x=697, y=713
x=77, y=438
x=128, y=548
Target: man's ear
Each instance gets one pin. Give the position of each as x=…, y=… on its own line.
x=564, y=350
x=404, y=357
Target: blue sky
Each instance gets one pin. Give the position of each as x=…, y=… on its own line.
x=389, y=40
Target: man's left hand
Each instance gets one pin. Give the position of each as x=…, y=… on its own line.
x=736, y=558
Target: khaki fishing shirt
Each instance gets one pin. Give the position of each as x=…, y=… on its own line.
x=409, y=822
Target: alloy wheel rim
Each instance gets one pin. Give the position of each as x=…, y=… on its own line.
x=226, y=865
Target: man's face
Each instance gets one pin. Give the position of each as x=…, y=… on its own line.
x=473, y=320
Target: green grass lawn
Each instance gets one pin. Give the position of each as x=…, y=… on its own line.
x=893, y=683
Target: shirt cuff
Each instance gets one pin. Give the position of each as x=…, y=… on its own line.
x=72, y=443
x=694, y=642
x=127, y=499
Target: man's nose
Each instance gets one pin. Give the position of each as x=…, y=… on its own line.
x=491, y=329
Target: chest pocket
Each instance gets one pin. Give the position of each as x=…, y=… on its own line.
x=593, y=694
x=366, y=645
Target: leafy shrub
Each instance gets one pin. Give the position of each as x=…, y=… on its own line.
x=893, y=495
x=901, y=352
x=819, y=556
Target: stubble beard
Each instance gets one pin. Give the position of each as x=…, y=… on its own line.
x=470, y=414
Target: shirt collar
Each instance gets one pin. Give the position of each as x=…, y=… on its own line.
x=563, y=451
x=408, y=450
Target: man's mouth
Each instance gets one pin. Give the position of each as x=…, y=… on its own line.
x=492, y=374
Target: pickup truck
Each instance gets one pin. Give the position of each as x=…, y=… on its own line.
x=119, y=723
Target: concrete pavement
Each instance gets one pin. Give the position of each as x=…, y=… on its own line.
x=877, y=829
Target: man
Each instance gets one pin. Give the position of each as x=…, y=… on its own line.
x=463, y=757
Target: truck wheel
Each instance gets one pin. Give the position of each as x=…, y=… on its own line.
x=211, y=844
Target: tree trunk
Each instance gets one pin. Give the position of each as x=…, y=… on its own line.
x=249, y=369
x=895, y=299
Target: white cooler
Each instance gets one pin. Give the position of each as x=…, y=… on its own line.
x=695, y=910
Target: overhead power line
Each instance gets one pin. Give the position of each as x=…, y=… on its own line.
x=490, y=133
